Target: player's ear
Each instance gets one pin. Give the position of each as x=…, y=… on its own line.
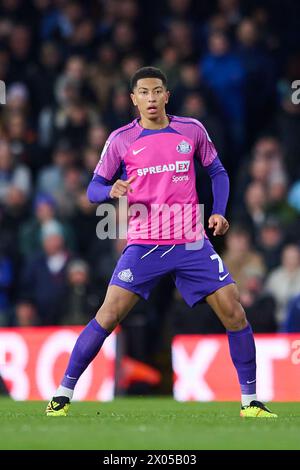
x=167, y=96
x=132, y=96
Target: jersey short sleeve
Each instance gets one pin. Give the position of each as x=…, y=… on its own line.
x=205, y=150
x=110, y=158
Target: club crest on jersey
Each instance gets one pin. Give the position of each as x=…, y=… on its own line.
x=126, y=275
x=184, y=147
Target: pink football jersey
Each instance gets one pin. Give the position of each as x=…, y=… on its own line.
x=164, y=206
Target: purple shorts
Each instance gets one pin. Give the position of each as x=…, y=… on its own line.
x=197, y=273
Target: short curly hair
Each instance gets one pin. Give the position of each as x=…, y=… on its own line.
x=147, y=72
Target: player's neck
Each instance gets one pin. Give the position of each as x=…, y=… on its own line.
x=158, y=123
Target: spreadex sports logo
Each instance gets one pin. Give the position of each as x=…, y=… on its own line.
x=179, y=167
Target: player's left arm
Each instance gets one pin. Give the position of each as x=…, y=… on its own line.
x=208, y=157
x=220, y=189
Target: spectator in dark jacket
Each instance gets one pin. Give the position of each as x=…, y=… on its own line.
x=44, y=280
x=82, y=299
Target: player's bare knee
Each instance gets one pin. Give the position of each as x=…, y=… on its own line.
x=235, y=316
x=109, y=316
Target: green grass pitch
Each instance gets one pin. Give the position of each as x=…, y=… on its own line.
x=146, y=423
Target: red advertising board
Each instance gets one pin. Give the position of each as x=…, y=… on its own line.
x=33, y=360
x=203, y=370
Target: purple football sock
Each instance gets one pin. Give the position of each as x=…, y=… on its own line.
x=87, y=346
x=242, y=351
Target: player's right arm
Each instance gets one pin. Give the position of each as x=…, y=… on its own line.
x=120, y=188
x=109, y=180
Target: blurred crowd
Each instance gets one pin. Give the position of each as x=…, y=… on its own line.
x=66, y=65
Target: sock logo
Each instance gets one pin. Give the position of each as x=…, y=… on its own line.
x=251, y=381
